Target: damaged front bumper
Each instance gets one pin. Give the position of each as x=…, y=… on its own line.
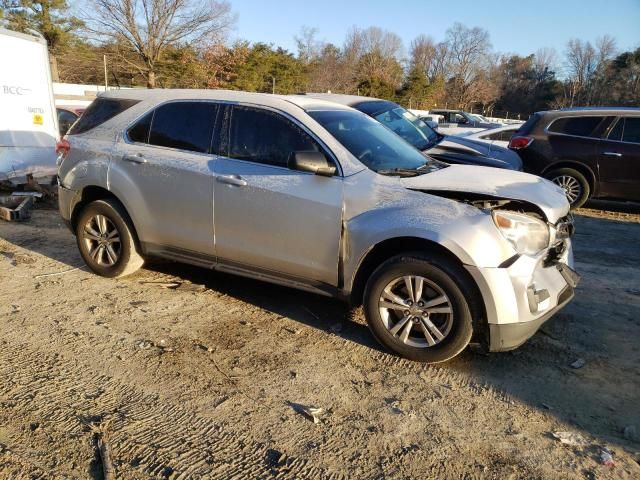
x=521, y=297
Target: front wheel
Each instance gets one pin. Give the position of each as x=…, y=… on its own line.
x=415, y=306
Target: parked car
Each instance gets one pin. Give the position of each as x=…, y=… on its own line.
x=67, y=117
x=466, y=119
x=317, y=196
x=432, y=120
x=495, y=136
x=589, y=152
x=423, y=137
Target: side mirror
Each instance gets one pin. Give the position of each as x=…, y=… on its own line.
x=313, y=162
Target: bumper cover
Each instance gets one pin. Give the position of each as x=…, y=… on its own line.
x=67, y=200
x=508, y=336
x=519, y=298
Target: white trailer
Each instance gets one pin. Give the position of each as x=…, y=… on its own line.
x=28, y=121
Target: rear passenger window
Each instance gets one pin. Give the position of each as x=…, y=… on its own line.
x=184, y=125
x=616, y=132
x=631, y=130
x=265, y=137
x=579, y=126
x=626, y=130
x=139, y=132
x=100, y=110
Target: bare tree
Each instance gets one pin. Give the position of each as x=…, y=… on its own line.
x=373, y=53
x=581, y=65
x=605, y=48
x=440, y=67
x=545, y=61
x=468, y=61
x=147, y=27
x=468, y=49
x=424, y=56
x=309, y=47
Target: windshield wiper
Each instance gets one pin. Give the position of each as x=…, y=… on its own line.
x=402, y=172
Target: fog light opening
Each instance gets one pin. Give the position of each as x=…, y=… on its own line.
x=538, y=299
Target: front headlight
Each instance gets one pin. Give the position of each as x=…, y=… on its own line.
x=527, y=234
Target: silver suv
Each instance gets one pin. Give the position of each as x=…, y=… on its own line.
x=320, y=197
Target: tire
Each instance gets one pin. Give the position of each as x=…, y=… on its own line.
x=103, y=224
x=568, y=178
x=440, y=279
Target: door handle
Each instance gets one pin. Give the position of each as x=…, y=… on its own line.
x=138, y=158
x=613, y=154
x=236, y=180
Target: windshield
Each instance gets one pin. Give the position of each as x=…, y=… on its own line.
x=370, y=142
x=408, y=126
x=479, y=118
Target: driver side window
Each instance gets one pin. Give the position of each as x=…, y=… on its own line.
x=265, y=137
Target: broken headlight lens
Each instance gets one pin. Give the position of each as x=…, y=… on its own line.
x=527, y=234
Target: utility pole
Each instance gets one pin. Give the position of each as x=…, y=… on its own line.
x=273, y=88
x=106, y=82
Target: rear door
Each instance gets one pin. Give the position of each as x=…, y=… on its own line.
x=163, y=167
x=268, y=217
x=619, y=159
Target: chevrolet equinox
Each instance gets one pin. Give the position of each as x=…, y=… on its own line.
x=318, y=196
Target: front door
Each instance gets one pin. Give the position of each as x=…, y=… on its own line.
x=619, y=160
x=268, y=217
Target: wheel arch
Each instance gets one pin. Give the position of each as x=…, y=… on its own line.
x=91, y=193
x=585, y=170
x=392, y=247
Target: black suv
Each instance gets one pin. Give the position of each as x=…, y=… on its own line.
x=589, y=152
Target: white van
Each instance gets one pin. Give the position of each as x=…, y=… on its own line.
x=28, y=123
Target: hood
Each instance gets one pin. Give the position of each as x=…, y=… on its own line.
x=495, y=183
x=466, y=150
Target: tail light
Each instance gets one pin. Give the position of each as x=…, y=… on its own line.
x=518, y=143
x=62, y=150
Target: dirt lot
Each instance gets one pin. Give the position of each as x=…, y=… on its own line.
x=196, y=374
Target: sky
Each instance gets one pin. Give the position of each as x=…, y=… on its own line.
x=514, y=26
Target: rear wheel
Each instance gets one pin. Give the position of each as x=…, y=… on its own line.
x=575, y=185
x=419, y=307
x=105, y=239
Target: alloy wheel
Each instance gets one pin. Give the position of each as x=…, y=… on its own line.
x=570, y=185
x=102, y=240
x=416, y=311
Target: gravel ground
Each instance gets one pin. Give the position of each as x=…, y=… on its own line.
x=190, y=374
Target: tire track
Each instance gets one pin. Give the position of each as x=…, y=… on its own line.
x=150, y=436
